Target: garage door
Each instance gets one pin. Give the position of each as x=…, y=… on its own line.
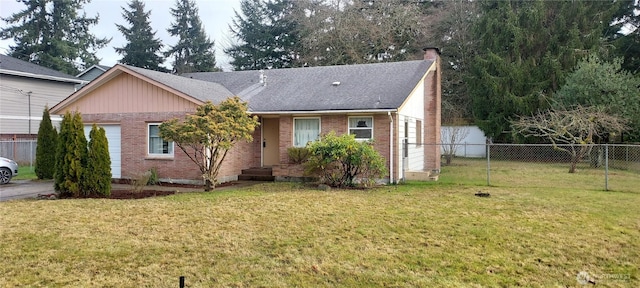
x=113, y=137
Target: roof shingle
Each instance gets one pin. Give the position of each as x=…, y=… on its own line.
x=345, y=87
x=201, y=90
x=14, y=64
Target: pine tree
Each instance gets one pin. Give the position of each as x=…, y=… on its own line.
x=61, y=152
x=97, y=179
x=71, y=156
x=142, y=49
x=526, y=49
x=46, y=147
x=194, y=51
x=267, y=35
x=53, y=34
x=625, y=34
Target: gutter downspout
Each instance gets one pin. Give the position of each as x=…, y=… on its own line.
x=391, y=139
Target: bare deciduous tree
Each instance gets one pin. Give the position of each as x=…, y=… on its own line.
x=451, y=139
x=575, y=128
x=354, y=32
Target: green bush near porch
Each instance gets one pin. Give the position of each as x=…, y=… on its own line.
x=343, y=161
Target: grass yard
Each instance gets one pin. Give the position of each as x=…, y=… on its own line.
x=26, y=173
x=516, y=174
x=289, y=235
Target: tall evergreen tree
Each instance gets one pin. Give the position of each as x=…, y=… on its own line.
x=526, y=49
x=194, y=51
x=625, y=33
x=458, y=46
x=98, y=179
x=52, y=33
x=267, y=35
x=46, y=147
x=142, y=49
x=71, y=156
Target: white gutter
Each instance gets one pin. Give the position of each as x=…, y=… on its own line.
x=391, y=139
x=45, y=77
x=37, y=118
x=323, y=111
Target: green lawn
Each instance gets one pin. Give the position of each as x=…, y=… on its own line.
x=289, y=235
x=26, y=173
x=516, y=174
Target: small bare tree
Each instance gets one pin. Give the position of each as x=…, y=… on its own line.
x=451, y=139
x=207, y=135
x=575, y=128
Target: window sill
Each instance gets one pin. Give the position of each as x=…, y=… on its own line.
x=159, y=157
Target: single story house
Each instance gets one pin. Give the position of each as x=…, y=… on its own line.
x=390, y=103
x=25, y=89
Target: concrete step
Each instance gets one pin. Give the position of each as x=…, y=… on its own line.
x=247, y=177
x=258, y=171
x=257, y=174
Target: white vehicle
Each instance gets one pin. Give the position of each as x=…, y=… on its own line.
x=8, y=169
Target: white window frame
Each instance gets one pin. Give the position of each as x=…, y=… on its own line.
x=293, y=129
x=158, y=155
x=349, y=128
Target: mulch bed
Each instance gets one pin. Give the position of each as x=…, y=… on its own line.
x=146, y=193
x=149, y=192
x=130, y=194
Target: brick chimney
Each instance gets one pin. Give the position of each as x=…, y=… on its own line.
x=431, y=53
x=432, y=111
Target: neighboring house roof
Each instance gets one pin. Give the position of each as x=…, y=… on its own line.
x=380, y=86
x=17, y=67
x=102, y=68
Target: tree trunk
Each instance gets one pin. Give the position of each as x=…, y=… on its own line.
x=574, y=163
x=208, y=185
x=596, y=157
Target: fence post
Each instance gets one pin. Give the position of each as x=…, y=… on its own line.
x=488, y=165
x=606, y=167
x=31, y=155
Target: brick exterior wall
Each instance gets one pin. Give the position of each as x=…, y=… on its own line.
x=246, y=155
x=432, y=109
x=337, y=123
x=134, y=149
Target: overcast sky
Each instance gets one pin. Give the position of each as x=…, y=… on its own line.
x=216, y=15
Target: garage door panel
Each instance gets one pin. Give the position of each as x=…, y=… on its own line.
x=113, y=138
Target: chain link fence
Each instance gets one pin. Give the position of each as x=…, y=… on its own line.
x=589, y=167
x=21, y=151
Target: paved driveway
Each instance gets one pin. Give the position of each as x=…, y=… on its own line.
x=19, y=189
